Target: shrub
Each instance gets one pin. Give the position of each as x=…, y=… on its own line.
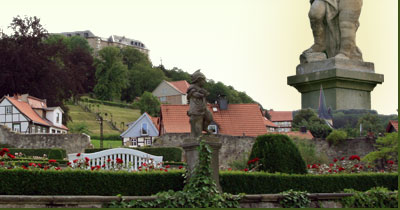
x=295, y=199
x=378, y=197
x=84, y=182
x=278, y=153
x=265, y=183
x=52, y=153
x=172, y=154
x=336, y=137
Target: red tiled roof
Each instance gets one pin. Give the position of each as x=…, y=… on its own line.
x=393, y=123
x=155, y=121
x=298, y=134
x=279, y=116
x=36, y=102
x=181, y=86
x=27, y=110
x=237, y=120
x=268, y=123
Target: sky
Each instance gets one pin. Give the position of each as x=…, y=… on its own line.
x=252, y=45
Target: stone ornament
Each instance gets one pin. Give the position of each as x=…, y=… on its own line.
x=334, y=24
x=200, y=116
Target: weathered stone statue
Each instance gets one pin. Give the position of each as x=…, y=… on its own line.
x=200, y=116
x=334, y=24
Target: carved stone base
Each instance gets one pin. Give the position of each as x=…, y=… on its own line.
x=192, y=155
x=347, y=83
x=312, y=57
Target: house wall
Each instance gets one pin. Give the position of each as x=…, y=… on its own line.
x=164, y=89
x=52, y=116
x=15, y=117
x=235, y=147
x=176, y=99
x=72, y=143
x=134, y=129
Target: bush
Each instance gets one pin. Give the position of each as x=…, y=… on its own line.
x=172, y=154
x=82, y=182
x=378, y=197
x=265, y=183
x=336, y=137
x=52, y=153
x=278, y=153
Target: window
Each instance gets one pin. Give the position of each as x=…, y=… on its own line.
x=69, y=35
x=38, y=129
x=16, y=127
x=163, y=99
x=213, y=129
x=144, y=129
x=53, y=131
x=33, y=129
x=58, y=118
x=44, y=130
x=78, y=34
x=134, y=142
x=148, y=141
x=9, y=109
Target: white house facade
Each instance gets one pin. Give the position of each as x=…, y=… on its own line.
x=140, y=132
x=26, y=114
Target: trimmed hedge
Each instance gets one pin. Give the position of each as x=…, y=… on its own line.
x=52, y=153
x=80, y=182
x=170, y=154
x=265, y=183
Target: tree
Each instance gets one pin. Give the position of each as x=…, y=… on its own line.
x=370, y=123
x=387, y=149
x=132, y=57
x=111, y=74
x=309, y=119
x=149, y=103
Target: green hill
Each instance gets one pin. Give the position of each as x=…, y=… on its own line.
x=120, y=117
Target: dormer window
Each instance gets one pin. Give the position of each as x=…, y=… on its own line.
x=58, y=118
x=213, y=129
x=144, y=130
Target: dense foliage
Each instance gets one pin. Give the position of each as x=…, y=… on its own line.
x=150, y=104
x=294, y=199
x=46, y=67
x=278, y=153
x=266, y=183
x=309, y=119
x=377, y=197
x=336, y=137
x=387, y=149
x=171, y=154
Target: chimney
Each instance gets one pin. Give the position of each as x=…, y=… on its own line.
x=303, y=129
x=24, y=97
x=222, y=102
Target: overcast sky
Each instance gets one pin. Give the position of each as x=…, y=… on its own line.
x=252, y=45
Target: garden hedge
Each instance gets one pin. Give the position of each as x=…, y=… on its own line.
x=265, y=183
x=52, y=153
x=170, y=154
x=79, y=182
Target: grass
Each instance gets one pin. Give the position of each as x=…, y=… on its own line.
x=106, y=143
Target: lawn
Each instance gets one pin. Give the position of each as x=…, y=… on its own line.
x=106, y=143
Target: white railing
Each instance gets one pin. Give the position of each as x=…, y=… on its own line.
x=131, y=159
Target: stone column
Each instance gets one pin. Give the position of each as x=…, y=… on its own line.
x=192, y=155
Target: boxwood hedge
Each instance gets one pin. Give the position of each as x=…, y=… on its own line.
x=79, y=182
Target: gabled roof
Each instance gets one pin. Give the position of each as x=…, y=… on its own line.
x=237, y=120
x=133, y=124
x=268, y=123
x=180, y=86
x=394, y=124
x=279, y=116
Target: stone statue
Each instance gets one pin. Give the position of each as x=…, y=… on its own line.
x=334, y=24
x=200, y=116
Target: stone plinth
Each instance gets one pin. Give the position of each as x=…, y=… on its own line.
x=192, y=155
x=347, y=84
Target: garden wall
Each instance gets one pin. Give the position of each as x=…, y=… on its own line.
x=72, y=143
x=234, y=147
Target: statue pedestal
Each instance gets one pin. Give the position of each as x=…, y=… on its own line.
x=347, y=84
x=192, y=155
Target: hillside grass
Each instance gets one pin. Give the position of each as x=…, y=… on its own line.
x=106, y=143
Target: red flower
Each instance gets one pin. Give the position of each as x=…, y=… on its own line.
x=249, y=162
x=40, y=165
x=167, y=166
x=391, y=162
x=98, y=167
x=58, y=168
x=166, y=170
x=52, y=161
x=144, y=164
x=76, y=160
x=341, y=169
x=2, y=153
x=119, y=160
x=5, y=150
x=314, y=166
x=369, y=166
x=87, y=159
x=361, y=167
x=246, y=169
x=69, y=163
x=2, y=163
x=32, y=164
x=308, y=166
x=11, y=156
x=330, y=171
x=160, y=169
x=24, y=167
x=103, y=166
x=335, y=160
x=354, y=157
x=256, y=159
x=92, y=168
x=229, y=169
x=342, y=158
x=356, y=166
x=79, y=154
x=331, y=165
x=108, y=160
x=180, y=167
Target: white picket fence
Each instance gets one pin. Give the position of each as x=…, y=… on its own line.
x=131, y=158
